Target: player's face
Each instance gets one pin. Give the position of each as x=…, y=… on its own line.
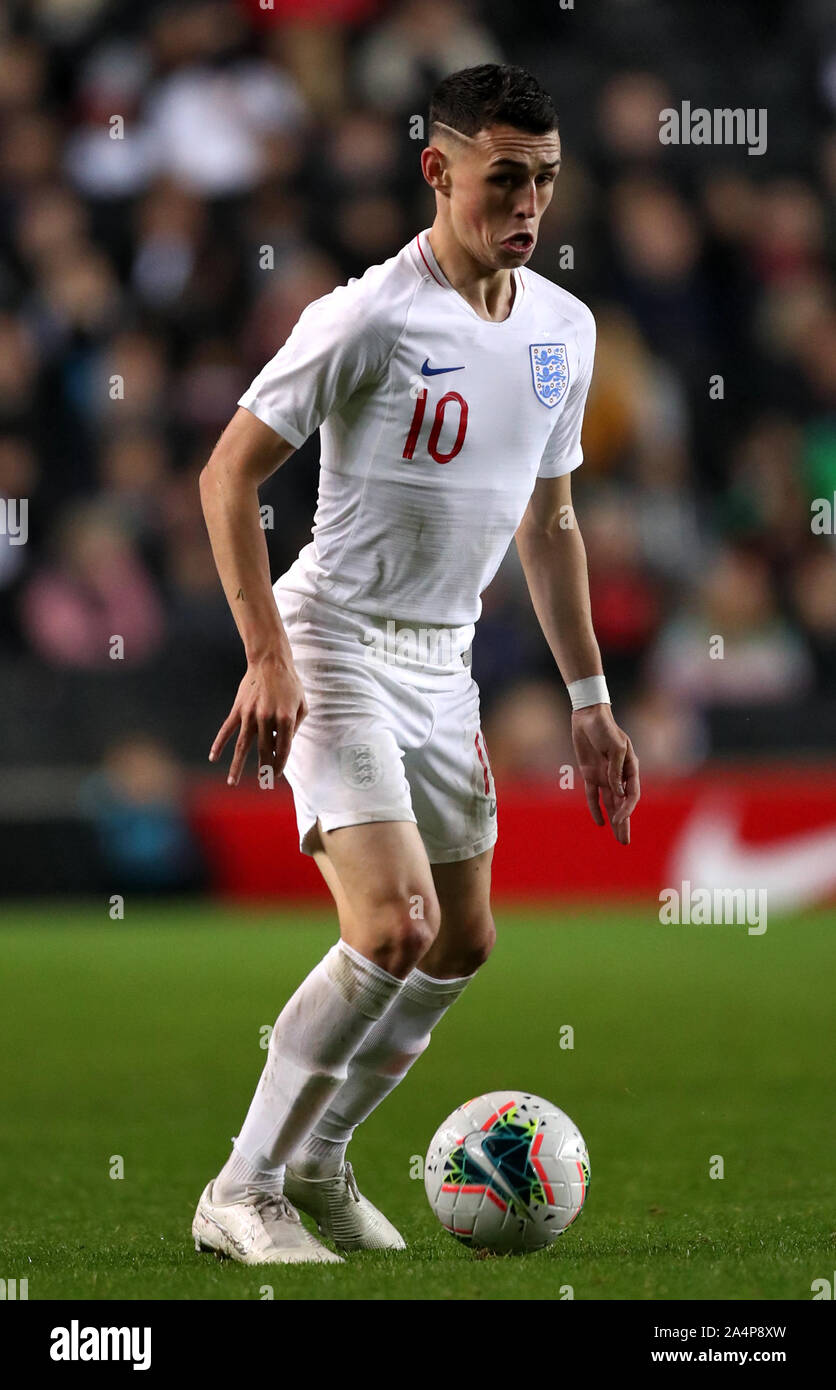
x=502, y=181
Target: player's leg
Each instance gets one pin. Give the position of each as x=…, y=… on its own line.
x=245, y=1212
x=384, y=890
x=319, y=1180
x=345, y=758
x=467, y=932
x=326, y=1020
x=454, y=798
x=463, y=943
x=386, y=875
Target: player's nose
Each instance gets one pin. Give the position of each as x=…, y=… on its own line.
x=527, y=204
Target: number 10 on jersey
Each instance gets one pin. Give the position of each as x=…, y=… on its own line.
x=437, y=425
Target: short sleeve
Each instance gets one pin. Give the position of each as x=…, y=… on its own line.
x=563, y=449
x=331, y=352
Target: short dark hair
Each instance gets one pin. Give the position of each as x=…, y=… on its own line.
x=492, y=94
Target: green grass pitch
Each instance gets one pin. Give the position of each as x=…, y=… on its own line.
x=141, y=1039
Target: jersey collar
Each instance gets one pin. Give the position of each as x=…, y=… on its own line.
x=427, y=261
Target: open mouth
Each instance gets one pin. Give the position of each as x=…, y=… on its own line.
x=521, y=241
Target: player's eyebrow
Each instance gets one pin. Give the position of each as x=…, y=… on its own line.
x=521, y=163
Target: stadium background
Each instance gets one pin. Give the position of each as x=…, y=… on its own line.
x=290, y=130
x=141, y=1035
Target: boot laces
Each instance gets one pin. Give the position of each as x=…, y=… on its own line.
x=276, y=1204
x=351, y=1182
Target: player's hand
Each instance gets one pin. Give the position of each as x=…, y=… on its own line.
x=269, y=707
x=609, y=767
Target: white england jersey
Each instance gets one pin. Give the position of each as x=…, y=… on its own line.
x=435, y=425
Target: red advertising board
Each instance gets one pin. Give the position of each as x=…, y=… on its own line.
x=772, y=827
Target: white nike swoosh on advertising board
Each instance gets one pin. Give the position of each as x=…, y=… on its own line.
x=795, y=871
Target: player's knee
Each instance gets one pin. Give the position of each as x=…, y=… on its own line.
x=475, y=952
x=484, y=941
x=404, y=930
x=461, y=951
x=412, y=937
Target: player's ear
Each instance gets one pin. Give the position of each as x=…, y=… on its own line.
x=435, y=168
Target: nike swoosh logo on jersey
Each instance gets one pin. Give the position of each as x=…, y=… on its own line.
x=427, y=370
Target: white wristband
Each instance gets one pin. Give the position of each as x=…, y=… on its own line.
x=592, y=690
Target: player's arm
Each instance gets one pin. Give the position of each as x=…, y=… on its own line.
x=553, y=557
x=270, y=703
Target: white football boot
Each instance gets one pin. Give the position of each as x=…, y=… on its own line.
x=264, y=1231
x=341, y=1212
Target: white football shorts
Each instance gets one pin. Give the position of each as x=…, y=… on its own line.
x=392, y=731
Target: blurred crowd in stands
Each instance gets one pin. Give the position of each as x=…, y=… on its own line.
x=136, y=305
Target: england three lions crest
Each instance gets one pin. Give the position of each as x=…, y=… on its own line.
x=549, y=372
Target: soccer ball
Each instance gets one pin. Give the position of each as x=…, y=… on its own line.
x=507, y=1172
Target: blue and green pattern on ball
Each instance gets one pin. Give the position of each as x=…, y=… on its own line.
x=508, y=1145
x=461, y=1170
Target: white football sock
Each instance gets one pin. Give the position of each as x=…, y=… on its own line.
x=313, y=1040
x=381, y=1061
